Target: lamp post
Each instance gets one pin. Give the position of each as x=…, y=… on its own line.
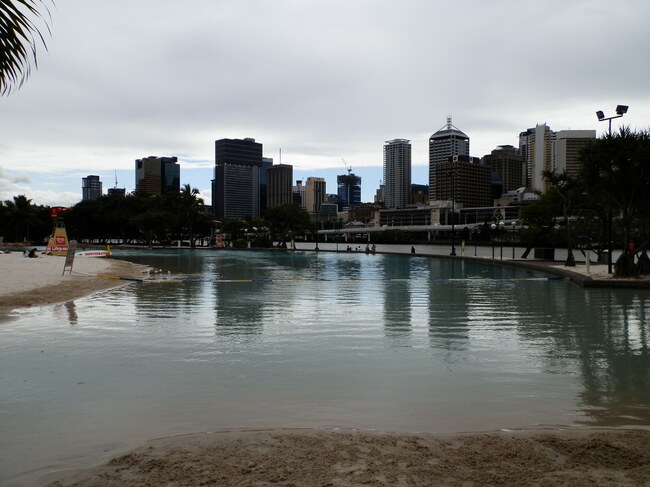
x=476, y=235
x=502, y=224
x=493, y=227
x=453, y=211
x=514, y=224
x=620, y=111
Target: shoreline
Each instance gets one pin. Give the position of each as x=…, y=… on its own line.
x=26, y=282
x=338, y=458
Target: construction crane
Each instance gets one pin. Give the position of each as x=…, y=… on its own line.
x=348, y=167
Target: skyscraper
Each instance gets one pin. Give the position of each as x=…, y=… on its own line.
x=397, y=173
x=566, y=153
x=91, y=188
x=349, y=190
x=314, y=194
x=510, y=166
x=298, y=194
x=463, y=180
x=279, y=179
x=536, y=147
x=445, y=143
x=157, y=175
x=236, y=183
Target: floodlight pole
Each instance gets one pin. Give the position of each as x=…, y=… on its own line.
x=620, y=111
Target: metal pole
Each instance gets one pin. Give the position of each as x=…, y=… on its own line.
x=453, y=209
x=492, y=237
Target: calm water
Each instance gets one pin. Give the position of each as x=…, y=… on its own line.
x=382, y=342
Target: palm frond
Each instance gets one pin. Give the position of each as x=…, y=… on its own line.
x=19, y=38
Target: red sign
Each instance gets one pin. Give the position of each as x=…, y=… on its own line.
x=60, y=240
x=55, y=211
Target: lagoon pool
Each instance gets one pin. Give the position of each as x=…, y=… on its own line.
x=240, y=339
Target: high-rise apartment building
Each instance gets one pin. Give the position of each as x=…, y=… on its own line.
x=397, y=173
x=315, y=194
x=278, y=185
x=536, y=149
x=236, y=183
x=509, y=164
x=157, y=175
x=566, y=153
x=445, y=143
x=349, y=190
x=91, y=188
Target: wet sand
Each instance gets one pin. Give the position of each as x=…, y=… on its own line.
x=309, y=458
x=26, y=282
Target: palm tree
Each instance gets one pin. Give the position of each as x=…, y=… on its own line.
x=19, y=36
x=20, y=215
x=567, y=188
x=191, y=209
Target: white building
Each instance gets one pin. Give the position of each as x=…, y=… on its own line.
x=536, y=147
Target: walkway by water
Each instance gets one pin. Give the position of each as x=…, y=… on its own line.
x=592, y=274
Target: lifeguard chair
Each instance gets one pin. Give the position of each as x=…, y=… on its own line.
x=58, y=243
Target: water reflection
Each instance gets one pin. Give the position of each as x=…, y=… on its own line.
x=319, y=340
x=397, y=297
x=71, y=311
x=448, y=307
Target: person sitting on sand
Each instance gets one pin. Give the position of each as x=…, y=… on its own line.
x=32, y=254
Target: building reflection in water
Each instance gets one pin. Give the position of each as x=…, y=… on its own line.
x=397, y=297
x=447, y=306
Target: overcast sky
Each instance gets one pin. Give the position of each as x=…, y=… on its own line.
x=323, y=81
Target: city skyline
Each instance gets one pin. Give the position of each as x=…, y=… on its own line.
x=312, y=80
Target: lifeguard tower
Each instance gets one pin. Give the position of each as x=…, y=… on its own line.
x=58, y=243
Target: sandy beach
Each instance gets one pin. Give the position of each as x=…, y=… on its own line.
x=305, y=457
x=309, y=458
x=40, y=281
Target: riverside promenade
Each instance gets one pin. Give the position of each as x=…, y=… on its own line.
x=592, y=275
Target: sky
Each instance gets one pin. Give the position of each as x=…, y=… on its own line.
x=325, y=83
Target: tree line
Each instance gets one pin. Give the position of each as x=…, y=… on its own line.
x=606, y=205
x=141, y=219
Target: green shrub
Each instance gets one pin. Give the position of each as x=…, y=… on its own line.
x=240, y=243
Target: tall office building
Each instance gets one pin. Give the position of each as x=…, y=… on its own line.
x=536, y=148
x=157, y=175
x=463, y=180
x=566, y=153
x=299, y=194
x=397, y=173
x=236, y=183
x=509, y=165
x=279, y=179
x=349, y=190
x=91, y=188
x=266, y=163
x=445, y=143
x=315, y=194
